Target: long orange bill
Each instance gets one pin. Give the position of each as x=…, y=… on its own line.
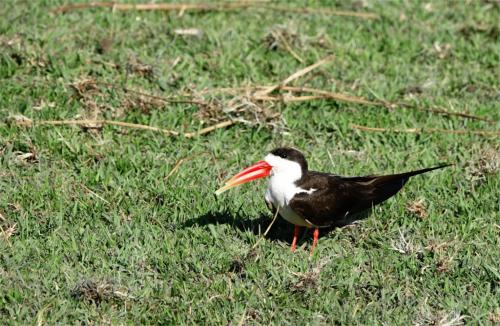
x=259, y=170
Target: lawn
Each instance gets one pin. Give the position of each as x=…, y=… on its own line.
x=106, y=223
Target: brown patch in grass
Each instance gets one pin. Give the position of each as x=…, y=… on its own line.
x=309, y=280
x=15, y=207
x=494, y=316
x=10, y=41
x=437, y=247
x=442, y=50
x=84, y=87
x=253, y=314
x=8, y=231
x=491, y=31
x=487, y=163
x=238, y=264
x=368, y=290
x=444, y=265
x=306, y=281
x=105, y=45
x=189, y=32
x=441, y=318
x=13, y=47
x=243, y=109
x=322, y=40
x=417, y=208
x=211, y=112
x=404, y=246
x=29, y=157
x=93, y=103
x=443, y=253
x=99, y=291
x=142, y=103
x=26, y=158
x=412, y=90
x=250, y=111
x=135, y=66
x=44, y=105
x=283, y=38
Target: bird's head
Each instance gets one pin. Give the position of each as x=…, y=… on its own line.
x=283, y=162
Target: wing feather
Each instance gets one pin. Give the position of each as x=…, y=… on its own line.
x=337, y=197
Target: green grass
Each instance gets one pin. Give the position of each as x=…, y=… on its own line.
x=103, y=236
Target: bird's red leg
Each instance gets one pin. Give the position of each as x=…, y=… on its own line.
x=295, y=236
x=315, y=239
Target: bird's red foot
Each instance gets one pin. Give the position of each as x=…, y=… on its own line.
x=295, y=236
x=315, y=239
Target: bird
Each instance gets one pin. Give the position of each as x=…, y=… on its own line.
x=313, y=199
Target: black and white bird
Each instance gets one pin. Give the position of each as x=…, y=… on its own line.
x=315, y=199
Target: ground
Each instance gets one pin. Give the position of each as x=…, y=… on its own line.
x=104, y=223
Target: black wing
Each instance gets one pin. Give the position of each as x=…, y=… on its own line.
x=337, y=197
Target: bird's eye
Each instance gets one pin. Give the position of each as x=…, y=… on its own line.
x=283, y=155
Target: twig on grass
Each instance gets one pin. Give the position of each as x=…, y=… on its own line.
x=8, y=232
x=243, y=317
x=323, y=94
x=288, y=99
x=156, y=97
x=331, y=95
x=429, y=130
x=29, y=123
x=181, y=7
x=288, y=47
x=93, y=123
x=359, y=100
x=221, y=6
x=176, y=166
x=267, y=230
x=325, y=11
x=95, y=194
x=206, y=130
x=295, y=75
x=437, y=111
x=180, y=162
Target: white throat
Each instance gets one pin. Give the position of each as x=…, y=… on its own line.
x=281, y=187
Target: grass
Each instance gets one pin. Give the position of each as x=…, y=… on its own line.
x=96, y=228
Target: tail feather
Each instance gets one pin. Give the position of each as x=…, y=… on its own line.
x=417, y=172
x=386, y=186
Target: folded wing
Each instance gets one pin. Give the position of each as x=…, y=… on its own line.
x=337, y=197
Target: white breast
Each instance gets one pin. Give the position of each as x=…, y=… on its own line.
x=280, y=192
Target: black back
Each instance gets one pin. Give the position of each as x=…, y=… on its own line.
x=338, y=197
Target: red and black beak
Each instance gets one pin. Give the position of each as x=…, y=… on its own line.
x=259, y=170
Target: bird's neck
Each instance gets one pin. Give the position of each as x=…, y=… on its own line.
x=283, y=186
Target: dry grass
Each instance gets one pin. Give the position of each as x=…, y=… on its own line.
x=206, y=7
x=494, y=316
x=309, y=280
x=404, y=246
x=417, y=207
x=97, y=292
x=453, y=318
x=486, y=133
x=486, y=163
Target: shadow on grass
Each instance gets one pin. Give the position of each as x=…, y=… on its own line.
x=280, y=231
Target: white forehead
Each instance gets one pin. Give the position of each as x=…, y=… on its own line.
x=277, y=161
x=282, y=166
